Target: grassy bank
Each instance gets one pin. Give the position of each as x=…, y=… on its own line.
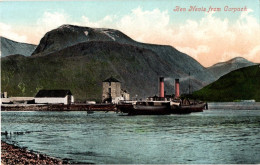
x=241, y=84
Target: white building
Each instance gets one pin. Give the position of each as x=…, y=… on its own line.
x=17, y=100
x=125, y=94
x=54, y=97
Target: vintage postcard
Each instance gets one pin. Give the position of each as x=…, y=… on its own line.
x=130, y=82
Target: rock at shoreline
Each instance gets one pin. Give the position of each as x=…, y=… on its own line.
x=11, y=154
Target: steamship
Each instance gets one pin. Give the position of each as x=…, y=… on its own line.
x=162, y=105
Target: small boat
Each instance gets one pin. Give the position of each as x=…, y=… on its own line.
x=90, y=112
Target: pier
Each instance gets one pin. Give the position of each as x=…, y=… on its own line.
x=58, y=107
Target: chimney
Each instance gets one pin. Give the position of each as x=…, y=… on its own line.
x=161, y=87
x=177, y=88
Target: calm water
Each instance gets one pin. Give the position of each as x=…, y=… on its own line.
x=214, y=136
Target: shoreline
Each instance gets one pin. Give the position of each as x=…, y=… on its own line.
x=12, y=154
x=234, y=105
x=58, y=107
x=113, y=108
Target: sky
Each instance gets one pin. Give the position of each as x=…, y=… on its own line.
x=207, y=36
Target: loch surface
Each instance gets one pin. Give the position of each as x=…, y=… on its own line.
x=213, y=136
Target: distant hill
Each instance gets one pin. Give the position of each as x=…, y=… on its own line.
x=9, y=47
x=80, y=58
x=241, y=84
x=223, y=68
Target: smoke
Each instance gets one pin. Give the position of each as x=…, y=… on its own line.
x=170, y=80
x=186, y=78
x=182, y=79
x=185, y=82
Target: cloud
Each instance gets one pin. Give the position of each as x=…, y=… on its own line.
x=50, y=21
x=106, y=22
x=9, y=32
x=194, y=52
x=209, y=40
x=224, y=39
x=254, y=54
x=33, y=33
x=146, y=26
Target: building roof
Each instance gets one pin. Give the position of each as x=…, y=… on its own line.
x=111, y=79
x=53, y=93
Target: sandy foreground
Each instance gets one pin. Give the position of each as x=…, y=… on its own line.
x=11, y=154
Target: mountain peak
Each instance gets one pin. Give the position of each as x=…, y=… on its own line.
x=223, y=68
x=232, y=61
x=10, y=47
x=239, y=59
x=68, y=35
x=66, y=26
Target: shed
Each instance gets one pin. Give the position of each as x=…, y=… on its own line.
x=54, y=97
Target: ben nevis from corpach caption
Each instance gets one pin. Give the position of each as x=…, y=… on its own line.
x=209, y=9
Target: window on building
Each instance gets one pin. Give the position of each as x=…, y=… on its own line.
x=109, y=83
x=109, y=90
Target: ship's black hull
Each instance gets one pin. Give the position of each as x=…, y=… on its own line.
x=150, y=110
x=125, y=108
x=193, y=108
x=160, y=110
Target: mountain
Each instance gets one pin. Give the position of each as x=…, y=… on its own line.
x=80, y=58
x=223, y=68
x=241, y=84
x=9, y=47
x=69, y=35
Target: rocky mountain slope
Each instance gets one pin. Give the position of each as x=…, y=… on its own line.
x=82, y=68
x=223, y=68
x=69, y=35
x=241, y=84
x=9, y=47
x=80, y=58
